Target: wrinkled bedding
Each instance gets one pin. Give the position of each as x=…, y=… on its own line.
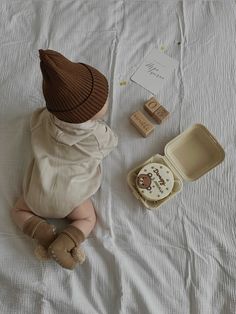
x=180, y=258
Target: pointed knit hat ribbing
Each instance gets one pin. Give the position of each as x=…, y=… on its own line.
x=74, y=92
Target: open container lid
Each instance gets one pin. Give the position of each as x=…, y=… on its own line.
x=194, y=152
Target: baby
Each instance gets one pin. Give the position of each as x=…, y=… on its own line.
x=69, y=142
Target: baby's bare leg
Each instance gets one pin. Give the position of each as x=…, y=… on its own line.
x=65, y=249
x=83, y=217
x=32, y=225
x=20, y=213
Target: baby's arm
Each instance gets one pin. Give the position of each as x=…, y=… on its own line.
x=106, y=138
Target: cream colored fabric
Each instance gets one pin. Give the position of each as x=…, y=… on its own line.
x=65, y=169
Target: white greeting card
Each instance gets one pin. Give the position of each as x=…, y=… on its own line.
x=155, y=69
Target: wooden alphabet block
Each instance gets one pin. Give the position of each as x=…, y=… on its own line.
x=151, y=105
x=141, y=123
x=158, y=112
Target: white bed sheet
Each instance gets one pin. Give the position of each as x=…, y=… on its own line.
x=178, y=259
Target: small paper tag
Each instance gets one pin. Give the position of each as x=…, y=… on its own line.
x=155, y=69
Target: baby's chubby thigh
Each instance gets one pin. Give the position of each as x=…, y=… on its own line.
x=21, y=212
x=83, y=217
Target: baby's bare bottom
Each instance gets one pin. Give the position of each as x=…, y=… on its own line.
x=83, y=216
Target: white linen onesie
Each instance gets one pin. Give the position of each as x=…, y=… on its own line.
x=65, y=170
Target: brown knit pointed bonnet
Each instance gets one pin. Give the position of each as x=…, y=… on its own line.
x=74, y=92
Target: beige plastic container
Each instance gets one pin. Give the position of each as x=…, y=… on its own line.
x=190, y=155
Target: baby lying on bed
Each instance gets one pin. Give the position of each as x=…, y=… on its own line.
x=69, y=142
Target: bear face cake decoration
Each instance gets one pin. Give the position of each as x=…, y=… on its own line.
x=155, y=181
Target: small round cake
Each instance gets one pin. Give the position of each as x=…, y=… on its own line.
x=155, y=181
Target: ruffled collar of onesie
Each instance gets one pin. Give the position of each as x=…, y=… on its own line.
x=70, y=126
x=70, y=133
